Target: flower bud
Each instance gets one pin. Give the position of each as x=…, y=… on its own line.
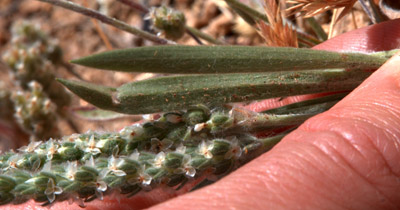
x=170, y=22
x=114, y=181
x=220, y=147
x=156, y=173
x=129, y=166
x=86, y=174
x=69, y=152
x=6, y=183
x=173, y=160
x=69, y=186
x=196, y=115
x=6, y=197
x=200, y=163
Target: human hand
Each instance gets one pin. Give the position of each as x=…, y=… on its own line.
x=345, y=158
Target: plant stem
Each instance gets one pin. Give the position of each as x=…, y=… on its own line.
x=192, y=31
x=248, y=10
x=374, y=13
x=107, y=20
x=317, y=28
x=204, y=36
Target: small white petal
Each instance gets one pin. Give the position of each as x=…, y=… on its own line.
x=181, y=149
x=190, y=172
x=146, y=179
x=173, y=118
x=90, y=162
x=51, y=197
x=119, y=173
x=96, y=151
x=101, y=143
x=199, y=127
x=186, y=159
x=99, y=194
x=57, y=190
x=135, y=155
x=47, y=167
x=102, y=186
x=159, y=160
x=148, y=117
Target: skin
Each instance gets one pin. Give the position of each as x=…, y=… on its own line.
x=345, y=158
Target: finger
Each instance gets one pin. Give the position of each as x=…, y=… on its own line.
x=345, y=158
x=378, y=37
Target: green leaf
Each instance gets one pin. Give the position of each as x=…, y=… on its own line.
x=102, y=95
x=180, y=92
x=228, y=59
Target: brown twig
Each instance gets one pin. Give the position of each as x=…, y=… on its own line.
x=100, y=31
x=194, y=33
x=107, y=20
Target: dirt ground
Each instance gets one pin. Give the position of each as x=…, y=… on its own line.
x=78, y=36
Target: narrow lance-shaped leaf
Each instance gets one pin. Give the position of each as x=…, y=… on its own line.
x=180, y=92
x=228, y=59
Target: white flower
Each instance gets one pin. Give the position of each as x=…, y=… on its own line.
x=72, y=167
x=13, y=161
x=71, y=138
x=135, y=155
x=186, y=168
x=52, y=190
x=143, y=178
x=92, y=147
x=157, y=145
x=159, y=160
x=100, y=185
x=51, y=149
x=181, y=149
x=47, y=167
x=31, y=146
x=130, y=132
x=235, y=150
x=90, y=162
x=205, y=149
x=113, y=164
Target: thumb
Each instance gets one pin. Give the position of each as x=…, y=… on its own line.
x=346, y=158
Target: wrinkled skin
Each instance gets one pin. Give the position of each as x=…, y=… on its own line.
x=345, y=158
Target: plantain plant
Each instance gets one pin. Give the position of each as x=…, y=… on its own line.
x=194, y=123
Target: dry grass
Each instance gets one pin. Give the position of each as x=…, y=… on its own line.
x=310, y=8
x=277, y=34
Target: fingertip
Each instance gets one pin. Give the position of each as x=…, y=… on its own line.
x=377, y=37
